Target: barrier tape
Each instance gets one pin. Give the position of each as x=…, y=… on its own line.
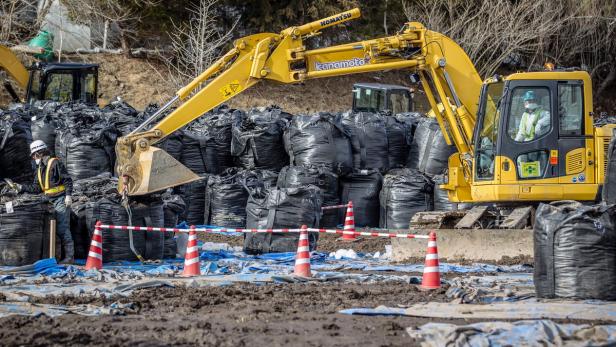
x=284, y=230
x=334, y=207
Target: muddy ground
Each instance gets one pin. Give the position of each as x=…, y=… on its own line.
x=239, y=315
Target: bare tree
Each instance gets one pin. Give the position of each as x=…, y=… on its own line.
x=20, y=20
x=196, y=43
x=492, y=32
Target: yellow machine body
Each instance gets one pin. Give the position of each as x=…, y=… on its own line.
x=567, y=162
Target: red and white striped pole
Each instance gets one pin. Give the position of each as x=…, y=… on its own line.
x=302, y=259
x=191, y=259
x=95, y=255
x=431, y=275
x=348, y=232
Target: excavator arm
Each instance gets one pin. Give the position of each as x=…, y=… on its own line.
x=449, y=78
x=9, y=63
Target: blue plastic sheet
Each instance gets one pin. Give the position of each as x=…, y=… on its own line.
x=521, y=333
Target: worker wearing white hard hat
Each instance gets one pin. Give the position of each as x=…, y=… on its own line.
x=52, y=179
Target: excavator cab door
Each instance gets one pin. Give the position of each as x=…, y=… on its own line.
x=529, y=140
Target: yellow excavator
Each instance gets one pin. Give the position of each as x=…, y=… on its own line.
x=505, y=153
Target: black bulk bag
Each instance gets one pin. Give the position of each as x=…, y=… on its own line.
x=116, y=243
x=362, y=187
x=44, y=128
x=258, y=140
x=429, y=152
x=441, y=197
x=259, y=179
x=172, y=144
x=225, y=200
x=79, y=229
x=399, y=139
x=318, y=139
x=87, y=152
x=173, y=207
x=575, y=251
x=368, y=139
x=193, y=194
x=609, y=186
x=318, y=176
x=404, y=193
x=219, y=130
x=22, y=231
x=282, y=208
x=194, y=154
x=15, y=139
x=411, y=120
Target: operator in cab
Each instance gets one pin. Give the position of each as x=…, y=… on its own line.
x=535, y=120
x=52, y=179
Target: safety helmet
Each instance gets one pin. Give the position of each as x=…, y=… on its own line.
x=529, y=95
x=36, y=146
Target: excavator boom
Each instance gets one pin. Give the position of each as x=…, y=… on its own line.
x=449, y=78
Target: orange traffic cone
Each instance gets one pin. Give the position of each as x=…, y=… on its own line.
x=95, y=255
x=348, y=232
x=191, y=258
x=431, y=275
x=302, y=259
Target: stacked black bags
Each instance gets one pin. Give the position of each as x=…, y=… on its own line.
x=225, y=200
x=15, y=139
x=207, y=141
x=368, y=139
x=441, y=197
x=575, y=251
x=609, y=186
x=23, y=229
x=44, y=123
x=320, y=140
x=86, y=143
x=362, y=187
x=318, y=176
x=281, y=208
x=429, y=152
x=399, y=139
x=405, y=192
x=173, y=207
x=193, y=195
x=116, y=243
x=258, y=139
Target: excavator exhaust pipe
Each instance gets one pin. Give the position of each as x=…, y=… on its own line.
x=150, y=169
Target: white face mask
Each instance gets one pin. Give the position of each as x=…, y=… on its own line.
x=37, y=161
x=531, y=106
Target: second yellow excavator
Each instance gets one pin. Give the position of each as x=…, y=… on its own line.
x=526, y=137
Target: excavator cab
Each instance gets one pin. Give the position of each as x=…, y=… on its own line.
x=534, y=138
x=377, y=97
x=63, y=82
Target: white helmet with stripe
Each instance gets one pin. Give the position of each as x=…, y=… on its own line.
x=36, y=146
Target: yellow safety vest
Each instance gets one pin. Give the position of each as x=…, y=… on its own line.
x=45, y=187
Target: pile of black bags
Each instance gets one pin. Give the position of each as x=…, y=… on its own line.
x=318, y=139
x=405, y=192
x=15, y=139
x=429, y=152
x=258, y=139
x=282, y=208
x=24, y=222
x=575, y=251
x=225, y=200
x=363, y=188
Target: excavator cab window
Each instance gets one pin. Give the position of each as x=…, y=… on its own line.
x=88, y=87
x=59, y=87
x=400, y=101
x=368, y=100
x=486, y=135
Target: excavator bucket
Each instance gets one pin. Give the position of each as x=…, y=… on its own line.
x=156, y=170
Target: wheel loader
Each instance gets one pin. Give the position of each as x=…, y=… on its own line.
x=493, y=168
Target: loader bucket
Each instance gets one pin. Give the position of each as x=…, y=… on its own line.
x=155, y=170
